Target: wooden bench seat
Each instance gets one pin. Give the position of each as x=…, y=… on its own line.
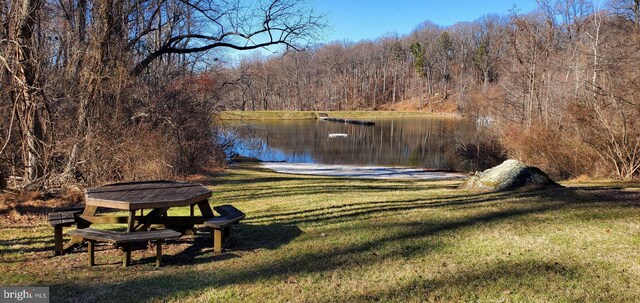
x=63, y=217
x=124, y=240
x=221, y=226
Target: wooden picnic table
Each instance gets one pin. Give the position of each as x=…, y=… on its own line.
x=156, y=196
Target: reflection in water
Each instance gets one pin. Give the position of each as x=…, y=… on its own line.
x=422, y=142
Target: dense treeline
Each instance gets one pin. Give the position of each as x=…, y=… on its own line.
x=561, y=84
x=96, y=90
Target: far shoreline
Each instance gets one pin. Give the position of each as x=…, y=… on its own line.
x=311, y=115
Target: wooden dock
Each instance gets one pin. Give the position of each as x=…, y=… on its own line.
x=325, y=117
x=322, y=116
x=350, y=121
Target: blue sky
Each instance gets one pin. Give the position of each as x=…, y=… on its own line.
x=356, y=20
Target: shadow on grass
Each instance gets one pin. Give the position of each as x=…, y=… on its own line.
x=27, y=244
x=349, y=211
x=29, y=210
x=323, y=188
x=341, y=257
x=200, y=248
x=273, y=179
x=249, y=237
x=245, y=237
x=504, y=277
x=198, y=251
x=341, y=213
x=169, y=283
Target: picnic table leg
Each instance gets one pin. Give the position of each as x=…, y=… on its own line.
x=91, y=249
x=126, y=256
x=131, y=221
x=57, y=238
x=76, y=241
x=159, y=253
x=205, y=209
x=217, y=240
x=156, y=212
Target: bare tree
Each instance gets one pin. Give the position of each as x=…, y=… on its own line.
x=610, y=116
x=64, y=64
x=627, y=9
x=21, y=68
x=446, y=52
x=234, y=25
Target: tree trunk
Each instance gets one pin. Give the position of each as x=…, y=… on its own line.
x=485, y=81
x=393, y=99
x=445, y=93
x=29, y=102
x=375, y=89
x=3, y=182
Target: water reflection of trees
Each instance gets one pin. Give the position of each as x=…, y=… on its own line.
x=428, y=143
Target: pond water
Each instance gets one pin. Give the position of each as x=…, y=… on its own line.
x=409, y=142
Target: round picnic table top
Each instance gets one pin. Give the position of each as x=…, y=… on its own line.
x=146, y=194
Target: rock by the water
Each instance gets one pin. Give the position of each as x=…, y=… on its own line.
x=510, y=175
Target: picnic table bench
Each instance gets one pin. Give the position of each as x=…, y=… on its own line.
x=63, y=217
x=124, y=241
x=221, y=226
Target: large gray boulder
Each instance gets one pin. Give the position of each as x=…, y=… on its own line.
x=510, y=175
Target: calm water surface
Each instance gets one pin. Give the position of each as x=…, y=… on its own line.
x=423, y=142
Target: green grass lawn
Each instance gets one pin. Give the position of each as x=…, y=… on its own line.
x=320, y=239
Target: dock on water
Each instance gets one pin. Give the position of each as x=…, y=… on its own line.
x=325, y=117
